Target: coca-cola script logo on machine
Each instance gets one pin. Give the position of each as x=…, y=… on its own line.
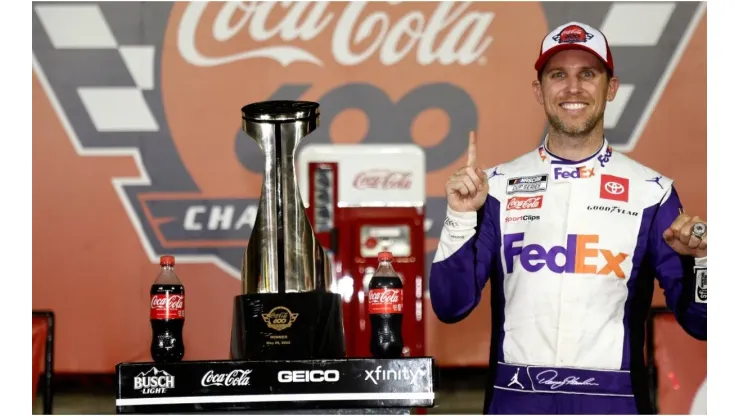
x=384, y=301
x=167, y=306
x=382, y=179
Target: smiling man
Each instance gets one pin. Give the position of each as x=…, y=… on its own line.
x=571, y=235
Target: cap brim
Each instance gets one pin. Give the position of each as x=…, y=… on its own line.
x=542, y=60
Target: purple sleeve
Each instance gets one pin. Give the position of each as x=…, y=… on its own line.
x=460, y=270
x=677, y=275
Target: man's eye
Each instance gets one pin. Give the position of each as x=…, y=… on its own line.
x=558, y=74
x=588, y=74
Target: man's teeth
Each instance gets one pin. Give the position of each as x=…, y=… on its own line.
x=573, y=106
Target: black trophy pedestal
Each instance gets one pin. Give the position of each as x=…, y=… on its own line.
x=287, y=326
x=346, y=386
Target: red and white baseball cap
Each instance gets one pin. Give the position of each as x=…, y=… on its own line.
x=575, y=35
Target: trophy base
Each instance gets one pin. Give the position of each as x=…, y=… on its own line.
x=287, y=326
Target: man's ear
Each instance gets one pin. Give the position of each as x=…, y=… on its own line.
x=537, y=91
x=612, y=89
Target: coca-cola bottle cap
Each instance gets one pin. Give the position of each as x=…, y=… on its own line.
x=385, y=256
x=167, y=261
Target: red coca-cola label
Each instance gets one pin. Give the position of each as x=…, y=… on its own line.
x=167, y=306
x=524, y=202
x=382, y=179
x=382, y=301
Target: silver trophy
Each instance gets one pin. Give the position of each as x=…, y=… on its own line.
x=286, y=309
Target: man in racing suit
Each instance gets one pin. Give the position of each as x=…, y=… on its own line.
x=571, y=236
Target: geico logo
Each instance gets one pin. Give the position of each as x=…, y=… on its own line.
x=580, y=255
x=308, y=376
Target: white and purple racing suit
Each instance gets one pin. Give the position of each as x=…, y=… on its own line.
x=571, y=250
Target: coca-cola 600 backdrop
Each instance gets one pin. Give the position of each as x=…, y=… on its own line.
x=138, y=152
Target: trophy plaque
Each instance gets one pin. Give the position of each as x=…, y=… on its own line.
x=286, y=310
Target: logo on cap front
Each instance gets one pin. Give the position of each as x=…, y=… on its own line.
x=573, y=34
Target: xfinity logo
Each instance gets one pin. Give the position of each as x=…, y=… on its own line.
x=384, y=375
x=308, y=376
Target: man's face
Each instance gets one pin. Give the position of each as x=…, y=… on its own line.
x=574, y=90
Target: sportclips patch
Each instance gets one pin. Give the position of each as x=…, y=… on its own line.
x=527, y=184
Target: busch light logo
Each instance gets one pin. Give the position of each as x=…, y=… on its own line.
x=581, y=255
x=577, y=173
x=382, y=179
x=154, y=381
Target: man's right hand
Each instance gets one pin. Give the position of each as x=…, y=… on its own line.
x=468, y=187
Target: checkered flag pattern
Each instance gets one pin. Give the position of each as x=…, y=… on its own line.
x=111, y=108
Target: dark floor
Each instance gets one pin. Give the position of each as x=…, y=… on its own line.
x=460, y=392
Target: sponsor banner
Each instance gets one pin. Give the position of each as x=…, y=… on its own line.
x=227, y=378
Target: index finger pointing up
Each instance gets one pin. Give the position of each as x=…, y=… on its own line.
x=471, y=149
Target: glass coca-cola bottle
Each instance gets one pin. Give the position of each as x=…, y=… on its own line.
x=167, y=313
x=385, y=305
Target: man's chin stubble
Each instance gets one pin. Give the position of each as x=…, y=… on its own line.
x=580, y=132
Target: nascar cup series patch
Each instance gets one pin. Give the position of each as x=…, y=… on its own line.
x=535, y=183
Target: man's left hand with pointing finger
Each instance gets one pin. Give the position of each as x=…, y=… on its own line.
x=687, y=236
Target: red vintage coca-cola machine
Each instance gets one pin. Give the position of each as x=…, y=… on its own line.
x=363, y=199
